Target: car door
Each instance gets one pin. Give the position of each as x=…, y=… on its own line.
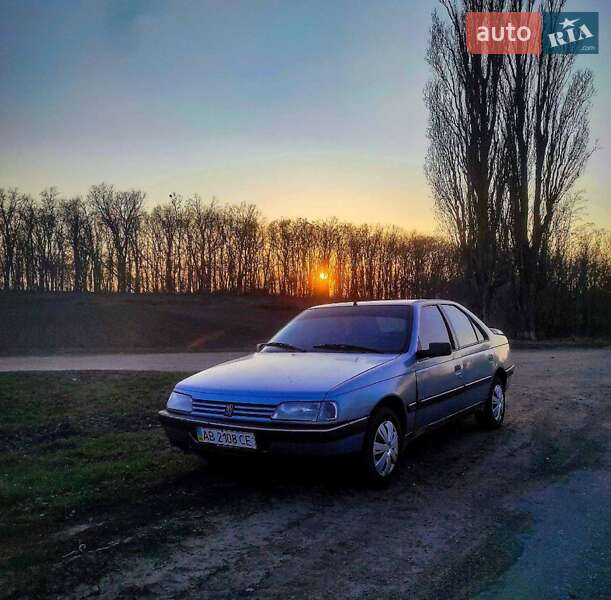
x=439, y=379
x=473, y=353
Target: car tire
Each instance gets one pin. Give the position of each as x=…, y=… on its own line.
x=493, y=413
x=381, y=448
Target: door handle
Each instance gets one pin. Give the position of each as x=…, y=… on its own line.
x=458, y=369
x=490, y=357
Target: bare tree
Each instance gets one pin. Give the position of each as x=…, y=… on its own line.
x=10, y=201
x=48, y=239
x=205, y=235
x=121, y=214
x=546, y=123
x=463, y=164
x=27, y=256
x=77, y=223
x=166, y=222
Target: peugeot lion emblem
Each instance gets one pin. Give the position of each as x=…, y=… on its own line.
x=228, y=410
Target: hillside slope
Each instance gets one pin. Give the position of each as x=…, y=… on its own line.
x=35, y=323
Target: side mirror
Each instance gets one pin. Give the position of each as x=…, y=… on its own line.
x=435, y=349
x=260, y=347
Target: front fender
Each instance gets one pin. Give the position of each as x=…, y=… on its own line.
x=361, y=401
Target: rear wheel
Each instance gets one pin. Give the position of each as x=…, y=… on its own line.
x=493, y=413
x=381, y=448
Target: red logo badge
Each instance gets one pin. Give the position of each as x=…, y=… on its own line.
x=504, y=32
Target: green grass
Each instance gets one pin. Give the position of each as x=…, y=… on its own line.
x=75, y=447
x=35, y=402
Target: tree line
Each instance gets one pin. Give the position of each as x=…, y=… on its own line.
x=108, y=242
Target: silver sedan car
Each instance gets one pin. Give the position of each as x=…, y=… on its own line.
x=360, y=378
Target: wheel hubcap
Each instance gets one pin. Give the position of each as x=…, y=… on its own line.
x=498, y=402
x=385, y=448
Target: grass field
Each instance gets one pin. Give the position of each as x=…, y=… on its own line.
x=37, y=323
x=77, y=446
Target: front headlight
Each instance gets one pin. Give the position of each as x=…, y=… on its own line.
x=178, y=402
x=306, y=411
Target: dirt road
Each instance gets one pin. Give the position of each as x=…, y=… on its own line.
x=517, y=513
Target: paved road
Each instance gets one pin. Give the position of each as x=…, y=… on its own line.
x=186, y=362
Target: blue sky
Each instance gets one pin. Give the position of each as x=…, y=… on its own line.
x=305, y=108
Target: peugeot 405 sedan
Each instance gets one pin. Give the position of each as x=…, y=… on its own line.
x=360, y=378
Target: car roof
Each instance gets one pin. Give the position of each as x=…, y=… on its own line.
x=406, y=302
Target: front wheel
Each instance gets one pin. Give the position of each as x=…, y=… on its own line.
x=381, y=448
x=493, y=413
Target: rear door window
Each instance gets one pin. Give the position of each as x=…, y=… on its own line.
x=432, y=328
x=461, y=324
x=481, y=336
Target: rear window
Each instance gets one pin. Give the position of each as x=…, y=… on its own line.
x=481, y=336
x=461, y=324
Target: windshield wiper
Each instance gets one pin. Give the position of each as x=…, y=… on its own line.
x=347, y=348
x=283, y=346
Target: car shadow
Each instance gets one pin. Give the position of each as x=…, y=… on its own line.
x=332, y=475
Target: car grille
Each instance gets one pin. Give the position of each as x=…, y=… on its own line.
x=212, y=408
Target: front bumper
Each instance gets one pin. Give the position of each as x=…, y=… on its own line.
x=277, y=438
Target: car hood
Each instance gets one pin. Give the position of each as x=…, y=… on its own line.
x=282, y=374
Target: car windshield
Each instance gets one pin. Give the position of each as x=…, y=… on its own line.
x=383, y=329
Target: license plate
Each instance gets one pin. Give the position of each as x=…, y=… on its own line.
x=226, y=437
